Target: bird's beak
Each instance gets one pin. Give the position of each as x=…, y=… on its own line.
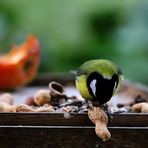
x=74, y=72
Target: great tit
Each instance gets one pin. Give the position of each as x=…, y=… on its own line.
x=98, y=80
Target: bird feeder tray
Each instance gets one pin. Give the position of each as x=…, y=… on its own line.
x=53, y=130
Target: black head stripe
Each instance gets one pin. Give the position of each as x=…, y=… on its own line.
x=93, y=76
x=104, y=87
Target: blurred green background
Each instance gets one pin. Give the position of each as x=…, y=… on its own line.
x=71, y=32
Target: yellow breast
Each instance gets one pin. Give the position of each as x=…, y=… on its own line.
x=81, y=84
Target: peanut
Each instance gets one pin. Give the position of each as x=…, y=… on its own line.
x=4, y=107
x=100, y=119
x=24, y=108
x=7, y=98
x=42, y=97
x=45, y=109
x=140, y=107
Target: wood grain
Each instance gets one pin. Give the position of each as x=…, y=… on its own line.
x=57, y=119
x=73, y=137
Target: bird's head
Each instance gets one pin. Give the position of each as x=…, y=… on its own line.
x=98, y=80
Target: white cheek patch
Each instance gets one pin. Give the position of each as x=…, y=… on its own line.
x=93, y=86
x=115, y=86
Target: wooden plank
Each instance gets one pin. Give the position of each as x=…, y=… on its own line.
x=57, y=119
x=44, y=79
x=74, y=137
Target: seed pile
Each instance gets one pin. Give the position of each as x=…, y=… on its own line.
x=54, y=99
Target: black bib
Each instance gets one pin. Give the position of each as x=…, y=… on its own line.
x=104, y=87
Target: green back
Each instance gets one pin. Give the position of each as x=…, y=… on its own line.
x=105, y=67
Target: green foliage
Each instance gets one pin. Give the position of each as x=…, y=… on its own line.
x=71, y=32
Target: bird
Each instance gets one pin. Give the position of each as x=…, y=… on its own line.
x=98, y=80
